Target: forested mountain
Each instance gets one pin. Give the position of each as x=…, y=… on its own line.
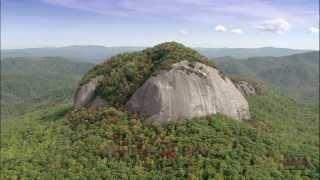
x=27, y=84
x=33, y=81
x=56, y=141
x=106, y=90
x=281, y=142
x=295, y=75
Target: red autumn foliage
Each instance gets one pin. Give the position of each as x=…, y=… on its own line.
x=169, y=154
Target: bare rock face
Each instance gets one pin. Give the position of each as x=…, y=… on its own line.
x=85, y=95
x=246, y=88
x=189, y=89
x=98, y=102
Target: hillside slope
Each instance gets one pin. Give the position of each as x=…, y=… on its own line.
x=281, y=143
x=295, y=75
x=27, y=83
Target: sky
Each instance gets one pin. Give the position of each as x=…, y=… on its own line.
x=196, y=23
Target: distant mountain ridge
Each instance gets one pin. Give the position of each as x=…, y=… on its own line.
x=242, y=53
x=295, y=75
x=96, y=54
x=27, y=84
x=92, y=54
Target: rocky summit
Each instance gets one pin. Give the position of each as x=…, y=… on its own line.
x=189, y=89
x=163, y=83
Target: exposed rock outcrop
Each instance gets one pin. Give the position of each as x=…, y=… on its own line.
x=164, y=83
x=85, y=95
x=187, y=90
x=245, y=88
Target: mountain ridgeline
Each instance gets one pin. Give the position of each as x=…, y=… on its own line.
x=295, y=75
x=97, y=54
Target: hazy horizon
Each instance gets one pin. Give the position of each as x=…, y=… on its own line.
x=124, y=46
x=290, y=24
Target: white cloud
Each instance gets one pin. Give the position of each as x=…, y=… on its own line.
x=184, y=32
x=237, y=31
x=220, y=28
x=314, y=29
x=277, y=25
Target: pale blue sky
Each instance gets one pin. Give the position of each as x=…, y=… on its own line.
x=197, y=23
